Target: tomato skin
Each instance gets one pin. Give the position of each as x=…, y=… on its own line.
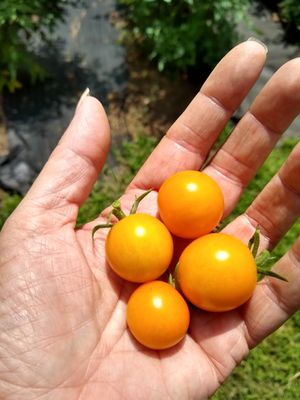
x=190, y=203
x=217, y=272
x=157, y=315
x=139, y=248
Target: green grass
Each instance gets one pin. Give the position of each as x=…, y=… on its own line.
x=272, y=370
x=7, y=205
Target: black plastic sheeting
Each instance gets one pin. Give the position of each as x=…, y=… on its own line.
x=83, y=52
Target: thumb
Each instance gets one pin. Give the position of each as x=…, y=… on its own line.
x=68, y=177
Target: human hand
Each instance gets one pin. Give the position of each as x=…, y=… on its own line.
x=62, y=321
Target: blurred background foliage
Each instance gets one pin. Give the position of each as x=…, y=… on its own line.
x=288, y=12
x=19, y=21
x=182, y=34
x=177, y=35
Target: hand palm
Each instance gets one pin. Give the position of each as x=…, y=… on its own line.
x=63, y=319
x=75, y=317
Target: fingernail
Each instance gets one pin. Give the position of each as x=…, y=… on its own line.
x=254, y=39
x=85, y=94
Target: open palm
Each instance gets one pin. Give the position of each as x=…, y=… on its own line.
x=62, y=322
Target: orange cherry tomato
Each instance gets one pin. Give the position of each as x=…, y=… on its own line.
x=217, y=272
x=157, y=315
x=139, y=248
x=190, y=204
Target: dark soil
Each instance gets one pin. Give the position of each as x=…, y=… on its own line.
x=151, y=102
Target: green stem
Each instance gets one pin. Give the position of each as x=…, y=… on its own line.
x=171, y=281
x=100, y=226
x=117, y=210
x=138, y=200
x=271, y=273
x=175, y=278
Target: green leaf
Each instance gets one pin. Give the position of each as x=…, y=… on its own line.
x=254, y=242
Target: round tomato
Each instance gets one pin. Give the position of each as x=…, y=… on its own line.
x=217, y=272
x=139, y=248
x=157, y=315
x=190, y=204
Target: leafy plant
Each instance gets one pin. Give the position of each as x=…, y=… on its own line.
x=19, y=21
x=289, y=11
x=182, y=33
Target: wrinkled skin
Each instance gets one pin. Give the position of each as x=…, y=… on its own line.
x=63, y=332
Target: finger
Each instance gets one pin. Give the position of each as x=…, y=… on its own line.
x=274, y=301
x=190, y=138
x=73, y=167
x=276, y=208
x=274, y=109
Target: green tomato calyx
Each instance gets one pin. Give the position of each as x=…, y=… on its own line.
x=264, y=260
x=119, y=213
